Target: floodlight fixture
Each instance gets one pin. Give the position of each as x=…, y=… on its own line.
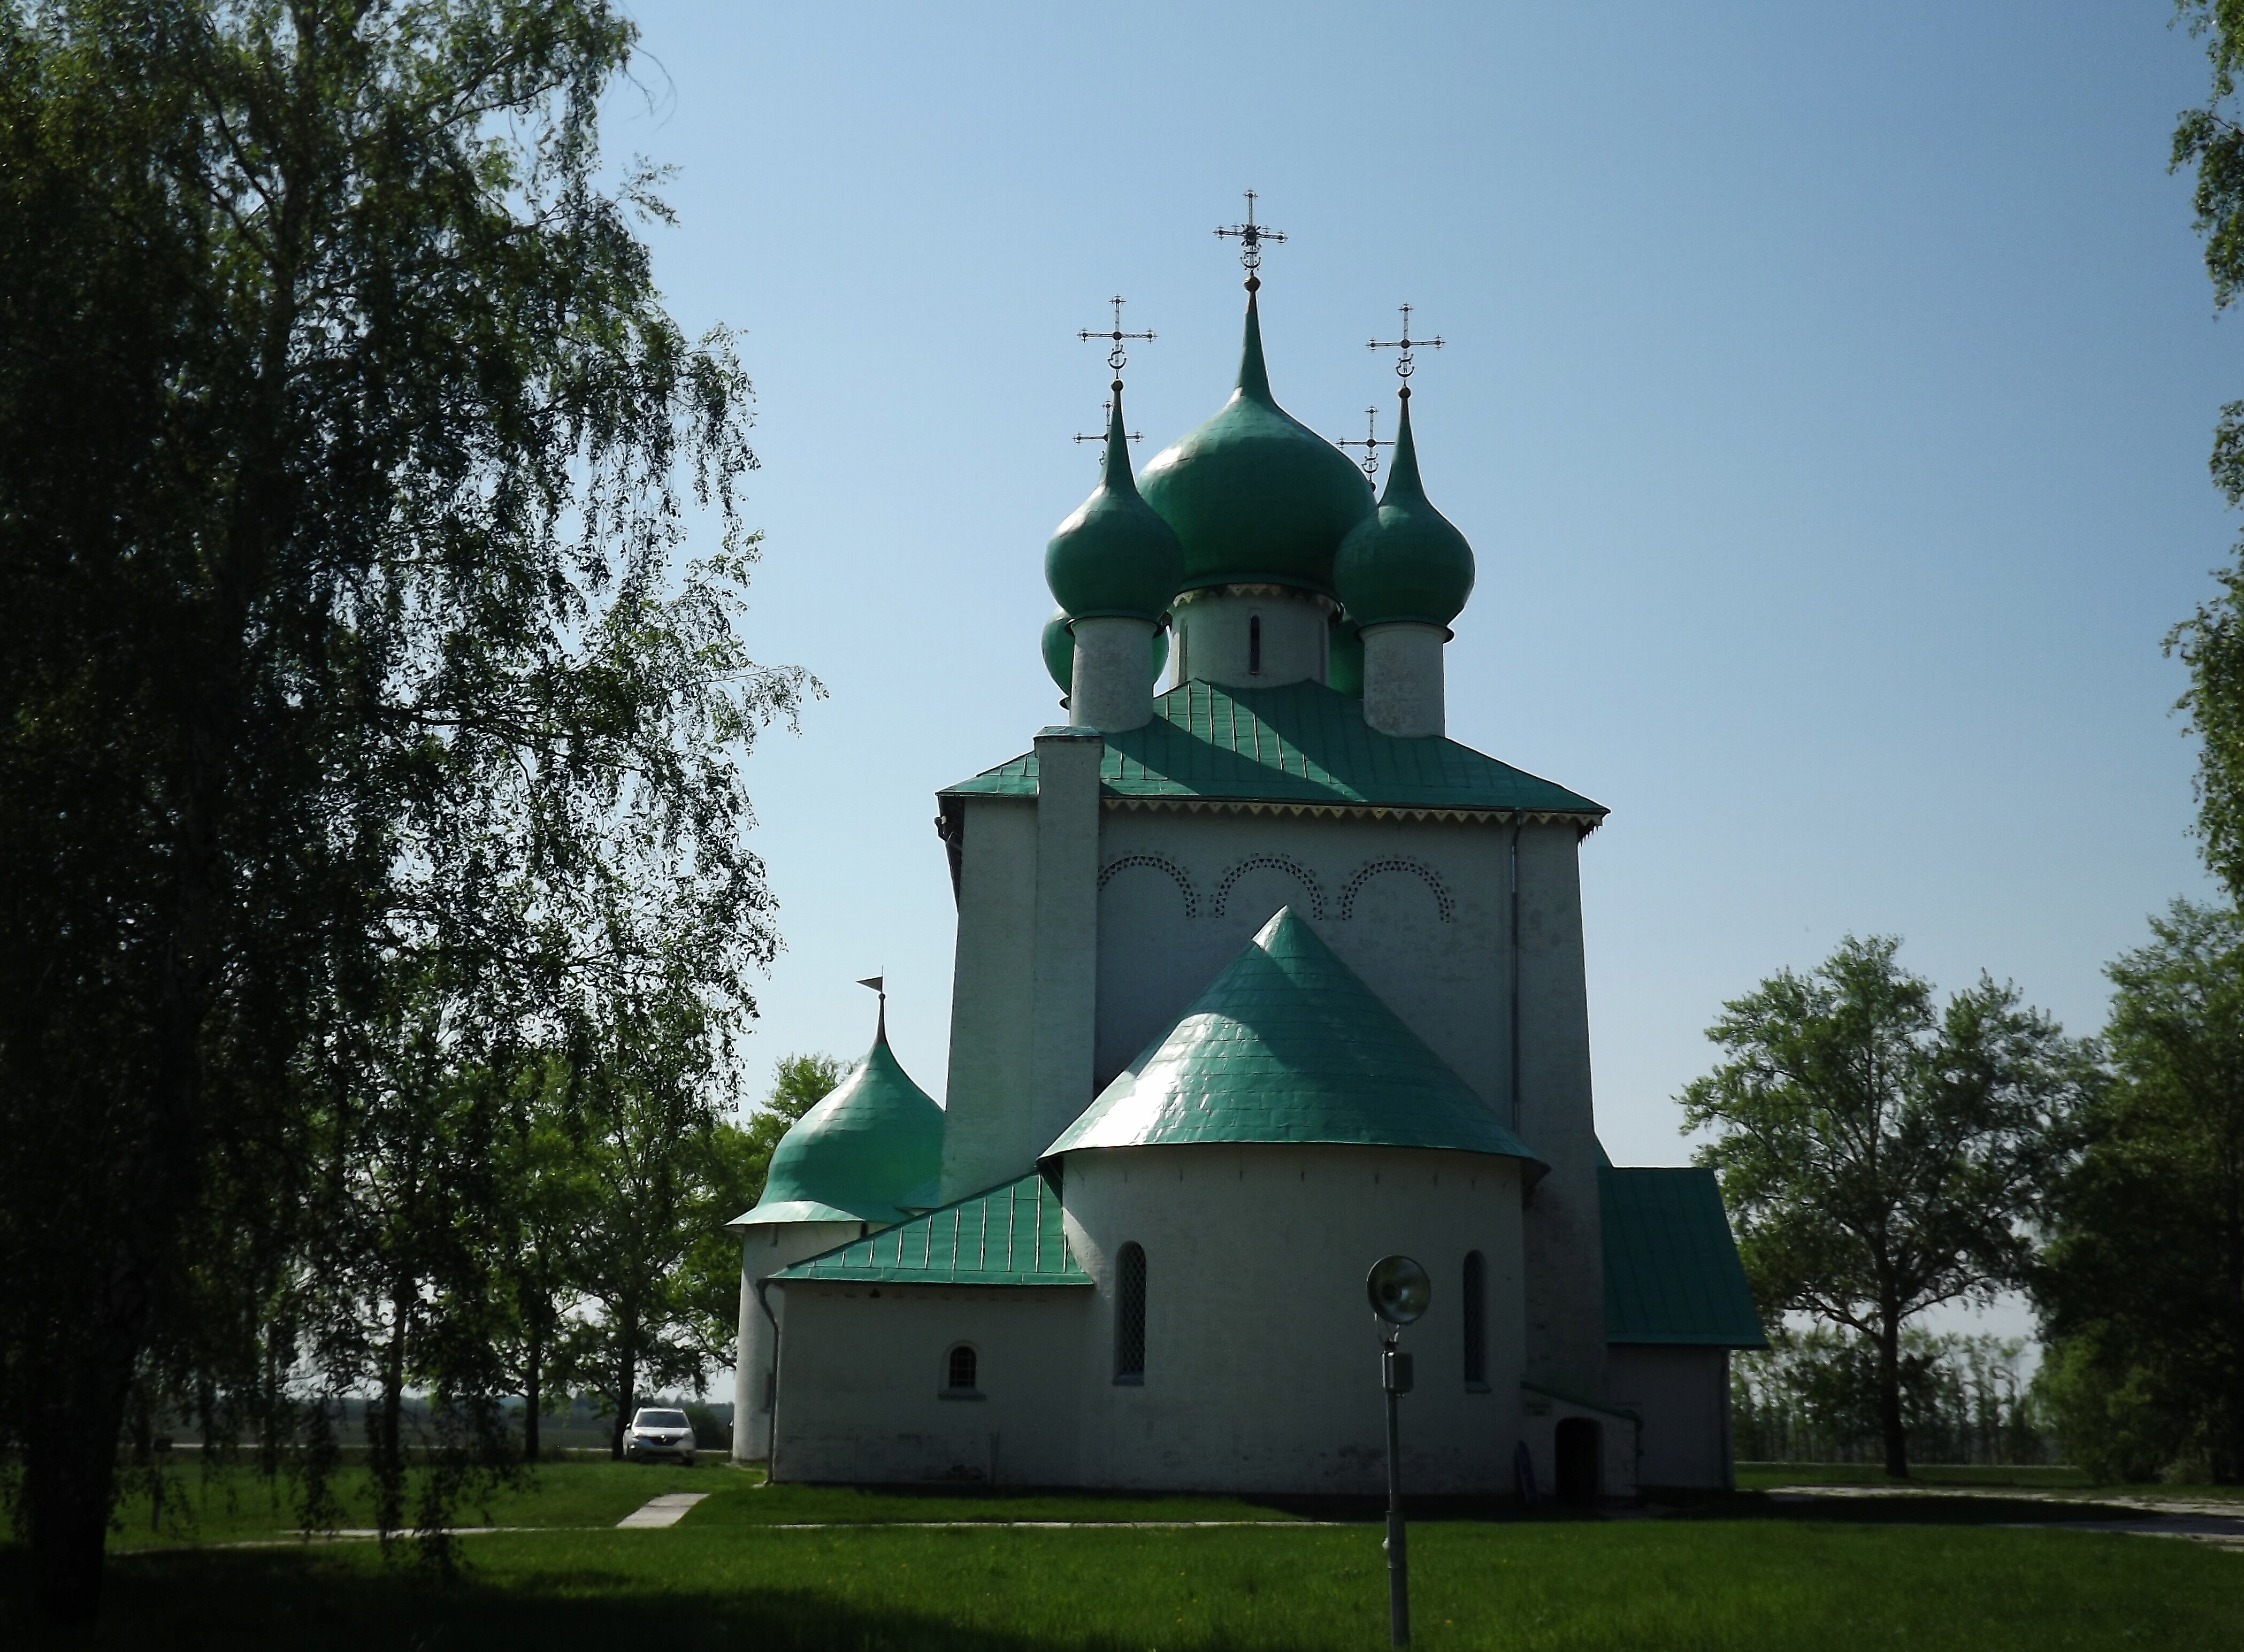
x=1400, y=1289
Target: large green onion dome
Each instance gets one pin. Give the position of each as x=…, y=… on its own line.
x=1407, y=562
x=858, y=1154
x=1059, y=650
x=1256, y=496
x=1114, y=557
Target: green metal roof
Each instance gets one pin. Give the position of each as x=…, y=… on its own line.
x=1302, y=745
x=1671, y=1270
x=1288, y=1044
x=858, y=1154
x=1009, y=1235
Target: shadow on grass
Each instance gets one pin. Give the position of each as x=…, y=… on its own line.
x=344, y=1601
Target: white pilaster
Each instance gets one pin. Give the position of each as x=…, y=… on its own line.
x=1062, y=1036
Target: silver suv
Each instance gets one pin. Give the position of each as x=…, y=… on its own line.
x=657, y=1434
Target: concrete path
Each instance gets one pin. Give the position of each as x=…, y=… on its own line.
x=2217, y=1522
x=666, y=1510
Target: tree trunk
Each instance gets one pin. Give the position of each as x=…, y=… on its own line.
x=627, y=1383
x=389, y=1461
x=532, y=1397
x=1889, y=1423
x=73, y=1467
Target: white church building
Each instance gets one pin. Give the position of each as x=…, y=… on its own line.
x=1258, y=979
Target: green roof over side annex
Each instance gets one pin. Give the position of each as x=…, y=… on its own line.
x=860, y=1153
x=1013, y=1235
x=1302, y=745
x=1671, y=1270
x=1288, y=1045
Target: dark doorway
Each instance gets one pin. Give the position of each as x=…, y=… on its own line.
x=1579, y=1461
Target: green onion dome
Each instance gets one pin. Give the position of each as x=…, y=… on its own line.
x=1406, y=562
x=1059, y=651
x=1114, y=557
x=1344, y=657
x=858, y=1154
x=1256, y=496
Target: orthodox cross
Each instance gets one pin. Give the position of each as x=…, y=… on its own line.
x=1117, y=359
x=1100, y=436
x=1250, y=236
x=1404, y=364
x=1369, y=443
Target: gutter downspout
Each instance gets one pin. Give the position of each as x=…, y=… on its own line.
x=771, y=1461
x=1513, y=870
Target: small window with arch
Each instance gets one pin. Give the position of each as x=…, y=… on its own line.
x=1254, y=645
x=1130, y=1316
x=962, y=1373
x=1476, y=1322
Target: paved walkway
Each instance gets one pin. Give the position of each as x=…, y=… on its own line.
x=666, y=1510
x=2216, y=1521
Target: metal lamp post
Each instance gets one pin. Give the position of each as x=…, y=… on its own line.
x=1400, y=1290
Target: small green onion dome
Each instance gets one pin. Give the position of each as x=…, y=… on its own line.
x=1344, y=657
x=1256, y=496
x=1407, y=562
x=1114, y=557
x=1059, y=651
x=860, y=1153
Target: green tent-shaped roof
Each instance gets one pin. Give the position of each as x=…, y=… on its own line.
x=858, y=1154
x=1288, y=1044
x=1671, y=1270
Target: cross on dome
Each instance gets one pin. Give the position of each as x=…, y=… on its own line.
x=1250, y=236
x=1369, y=443
x=1405, y=364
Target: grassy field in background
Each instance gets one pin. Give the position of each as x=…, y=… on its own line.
x=1725, y=1572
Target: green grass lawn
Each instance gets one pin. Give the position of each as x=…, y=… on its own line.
x=1744, y=1573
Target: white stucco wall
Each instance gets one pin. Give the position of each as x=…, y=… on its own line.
x=861, y=1383
x=1215, y=629
x=1404, y=694
x=766, y=1247
x=1261, y=1354
x=1422, y=911
x=1683, y=1395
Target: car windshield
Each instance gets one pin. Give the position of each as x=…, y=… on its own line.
x=661, y=1420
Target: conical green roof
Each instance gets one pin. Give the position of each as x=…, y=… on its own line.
x=1288, y=1044
x=1256, y=494
x=1114, y=557
x=1407, y=562
x=858, y=1154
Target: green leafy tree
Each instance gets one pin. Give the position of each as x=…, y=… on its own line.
x=2211, y=643
x=346, y=451
x=1880, y=1155
x=2142, y=1290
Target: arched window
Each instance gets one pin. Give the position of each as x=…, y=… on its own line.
x=1254, y=645
x=1475, y=1316
x=962, y=1370
x=1130, y=1316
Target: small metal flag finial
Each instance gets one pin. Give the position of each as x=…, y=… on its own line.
x=1369, y=443
x=1117, y=357
x=1250, y=237
x=1405, y=364
x=880, y=984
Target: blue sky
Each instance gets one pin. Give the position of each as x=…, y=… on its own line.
x=1827, y=398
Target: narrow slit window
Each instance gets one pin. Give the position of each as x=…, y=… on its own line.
x=1254, y=645
x=963, y=1369
x=1130, y=1317
x=1475, y=1320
